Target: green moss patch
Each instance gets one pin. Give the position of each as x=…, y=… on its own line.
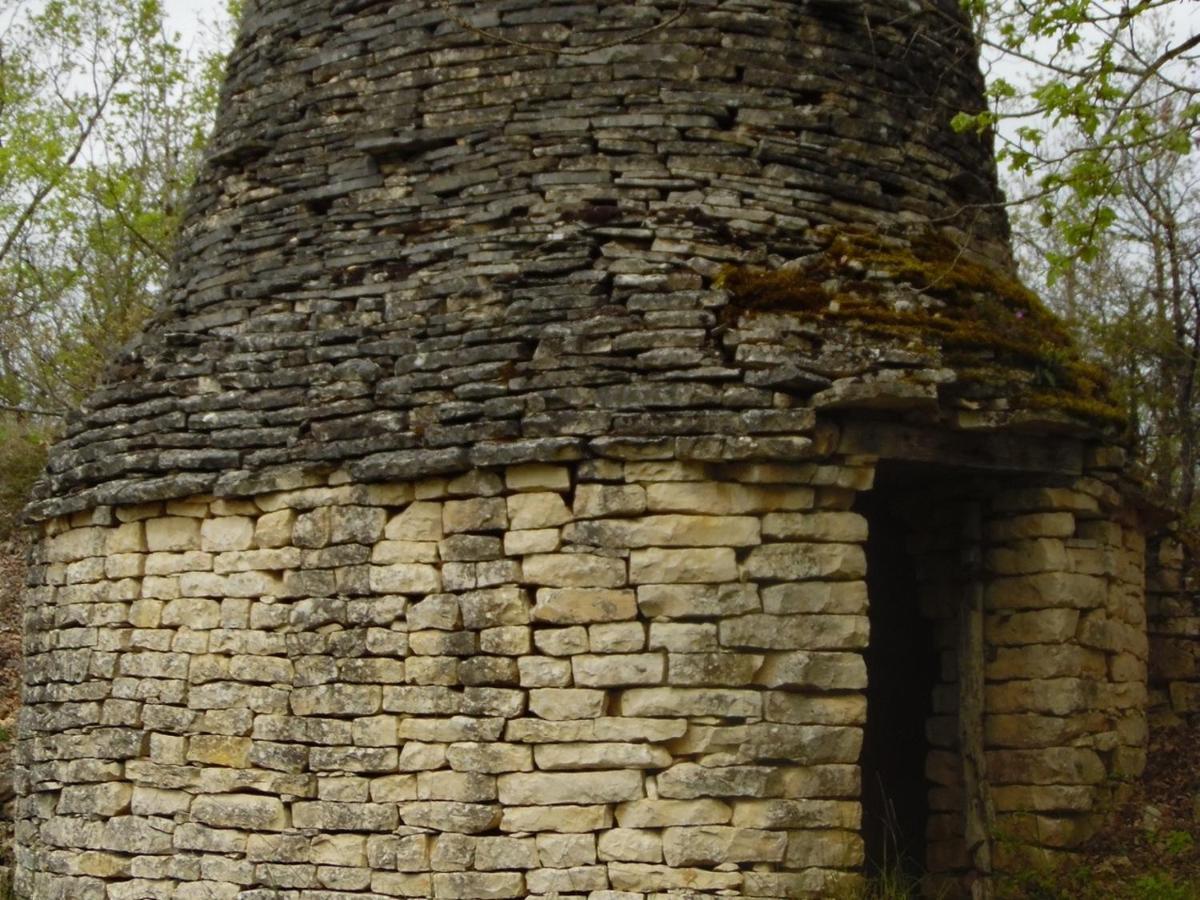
x=924, y=289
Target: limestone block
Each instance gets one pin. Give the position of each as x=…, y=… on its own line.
x=219, y=750
x=684, y=637
x=658, y=566
x=718, y=498
x=596, y=500
x=124, y=565
x=440, y=611
x=537, y=510
x=406, y=853
x=393, y=788
x=387, y=552
x=713, y=845
x=583, y=605
x=1044, y=798
x=134, y=834
x=561, y=851
x=102, y=799
x=456, y=885
x=420, y=521
x=540, y=671
x=599, y=755
x=665, y=813
x=673, y=701
x=329, y=816
x=492, y=853
x=839, y=527
x=129, y=537
x=823, y=671
x=795, y=632
x=151, y=801
x=1046, y=590
x=557, y=882
x=689, y=781
x=449, y=815
x=645, y=878
x=405, y=578
x=566, y=703
x=173, y=533
x=336, y=700
x=618, y=669
x=249, y=811
x=815, y=709
x=356, y=524
x=490, y=758
x=194, y=612
x=399, y=884
x=1051, y=765
x=553, y=788
x=79, y=543
x=1033, y=525
x=227, y=533
x=537, y=477
x=535, y=540
x=312, y=529
x=617, y=637
x=801, y=813
x=466, y=787
x=1045, y=661
x=274, y=529
x=475, y=514
x=807, y=561
x=506, y=640
x=825, y=848
x=507, y=605
x=1056, y=696
x=677, y=600
x=579, y=570
x=715, y=669
x=829, y=597
x=1027, y=557
x=666, y=531
x=340, y=850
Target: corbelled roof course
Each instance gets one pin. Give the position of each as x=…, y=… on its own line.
x=416, y=247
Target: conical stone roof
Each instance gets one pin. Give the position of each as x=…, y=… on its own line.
x=433, y=235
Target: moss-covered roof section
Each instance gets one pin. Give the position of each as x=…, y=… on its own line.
x=923, y=290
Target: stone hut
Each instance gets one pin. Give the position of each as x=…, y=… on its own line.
x=587, y=449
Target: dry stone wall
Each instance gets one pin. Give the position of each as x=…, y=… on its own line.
x=615, y=679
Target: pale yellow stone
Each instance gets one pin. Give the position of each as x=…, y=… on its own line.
x=618, y=669
x=274, y=529
x=843, y=527
x=537, y=477
x=420, y=521
x=129, y=537
x=227, y=533
x=566, y=703
x=667, y=531
x=537, y=540
x=173, y=533
x=475, y=514
x=405, y=578
x=657, y=566
x=714, y=845
x=552, y=788
x=574, y=570
x=599, y=755
x=544, y=509
x=725, y=498
x=388, y=552
x=583, y=605
x=595, y=500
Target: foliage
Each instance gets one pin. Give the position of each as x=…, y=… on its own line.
x=1117, y=77
x=1135, y=306
x=103, y=118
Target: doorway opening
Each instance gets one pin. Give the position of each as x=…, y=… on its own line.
x=903, y=672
